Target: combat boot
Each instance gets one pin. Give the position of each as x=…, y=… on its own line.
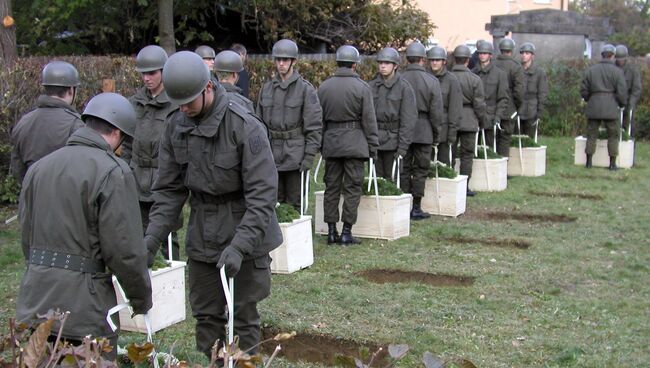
x=470, y=193
x=346, y=236
x=612, y=163
x=416, y=212
x=332, y=234
x=588, y=164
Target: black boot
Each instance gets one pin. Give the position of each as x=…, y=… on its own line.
x=332, y=234
x=612, y=163
x=588, y=164
x=470, y=193
x=346, y=236
x=416, y=212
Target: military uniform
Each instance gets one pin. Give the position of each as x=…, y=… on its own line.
x=235, y=95
x=515, y=77
x=603, y=87
x=633, y=81
x=396, y=114
x=41, y=131
x=535, y=92
x=80, y=224
x=349, y=138
x=452, y=100
x=291, y=111
x=495, y=86
x=223, y=163
x=473, y=116
x=426, y=132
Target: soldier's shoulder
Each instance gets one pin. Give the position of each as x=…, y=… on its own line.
x=241, y=112
x=306, y=83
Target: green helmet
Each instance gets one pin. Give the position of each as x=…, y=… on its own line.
x=608, y=49
x=416, y=49
x=388, y=54
x=506, y=44
x=185, y=76
x=114, y=109
x=205, y=52
x=60, y=73
x=228, y=61
x=484, y=47
x=347, y=53
x=527, y=47
x=285, y=49
x=150, y=58
x=621, y=52
x=462, y=51
x=437, y=53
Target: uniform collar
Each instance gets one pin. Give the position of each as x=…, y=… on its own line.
x=388, y=83
x=85, y=136
x=415, y=66
x=208, y=125
x=345, y=72
x=459, y=68
x=231, y=88
x=144, y=97
x=49, y=101
x=485, y=70
x=607, y=61
x=277, y=82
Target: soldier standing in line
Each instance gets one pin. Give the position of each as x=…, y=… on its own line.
x=395, y=110
x=217, y=154
x=349, y=138
x=426, y=132
x=208, y=54
x=473, y=114
x=48, y=127
x=515, y=89
x=495, y=86
x=452, y=100
x=633, y=81
x=535, y=90
x=290, y=108
x=151, y=106
x=227, y=65
x=605, y=91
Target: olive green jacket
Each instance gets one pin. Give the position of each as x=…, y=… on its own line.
x=293, y=114
x=604, y=88
x=349, y=121
x=396, y=112
x=495, y=85
x=452, y=101
x=222, y=161
x=515, y=73
x=473, y=114
x=536, y=92
x=82, y=200
x=235, y=95
x=41, y=131
x=633, y=81
x=428, y=97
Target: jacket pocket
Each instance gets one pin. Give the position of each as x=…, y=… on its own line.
x=292, y=112
x=226, y=171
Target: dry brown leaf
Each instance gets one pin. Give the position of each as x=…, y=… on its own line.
x=37, y=344
x=138, y=353
x=284, y=336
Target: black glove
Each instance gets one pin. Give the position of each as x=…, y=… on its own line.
x=140, y=306
x=152, y=245
x=307, y=163
x=451, y=137
x=372, y=154
x=399, y=153
x=497, y=122
x=231, y=257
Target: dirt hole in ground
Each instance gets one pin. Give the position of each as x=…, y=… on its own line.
x=383, y=276
x=317, y=348
x=594, y=177
x=505, y=243
x=593, y=197
x=522, y=216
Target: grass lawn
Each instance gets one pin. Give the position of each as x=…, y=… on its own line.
x=567, y=289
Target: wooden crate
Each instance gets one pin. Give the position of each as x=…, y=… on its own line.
x=394, y=211
x=497, y=170
x=297, y=249
x=534, y=159
x=452, y=196
x=625, y=158
x=168, y=294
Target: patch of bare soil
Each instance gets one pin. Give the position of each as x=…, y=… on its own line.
x=594, y=177
x=593, y=197
x=491, y=241
x=384, y=276
x=519, y=216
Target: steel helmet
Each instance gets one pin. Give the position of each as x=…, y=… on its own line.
x=150, y=58
x=285, y=49
x=228, y=61
x=114, y=109
x=608, y=49
x=347, y=53
x=462, y=51
x=437, y=53
x=506, y=44
x=388, y=54
x=485, y=47
x=621, y=52
x=60, y=73
x=185, y=76
x=527, y=47
x=205, y=52
x=416, y=49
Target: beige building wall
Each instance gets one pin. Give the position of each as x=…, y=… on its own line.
x=461, y=20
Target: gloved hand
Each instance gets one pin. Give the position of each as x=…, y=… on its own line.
x=372, y=154
x=399, y=154
x=497, y=122
x=307, y=162
x=231, y=257
x=451, y=137
x=152, y=245
x=140, y=306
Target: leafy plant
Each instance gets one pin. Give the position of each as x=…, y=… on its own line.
x=526, y=141
x=488, y=151
x=385, y=187
x=286, y=212
x=444, y=171
x=160, y=262
x=602, y=134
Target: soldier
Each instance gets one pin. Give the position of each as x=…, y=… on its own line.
x=243, y=80
x=515, y=89
x=452, y=100
x=151, y=106
x=289, y=107
x=535, y=90
x=217, y=154
x=426, y=132
x=48, y=127
x=473, y=114
x=79, y=218
x=395, y=110
x=633, y=81
x=208, y=54
x=349, y=138
x=603, y=88
x=227, y=66
x=495, y=86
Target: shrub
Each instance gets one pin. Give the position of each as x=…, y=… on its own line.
x=444, y=171
x=385, y=187
x=526, y=141
x=488, y=151
x=286, y=212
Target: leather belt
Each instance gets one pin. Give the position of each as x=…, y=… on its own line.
x=144, y=162
x=350, y=124
x=218, y=199
x=388, y=125
x=285, y=134
x=72, y=262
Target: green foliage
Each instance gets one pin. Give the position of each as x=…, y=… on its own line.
x=526, y=141
x=488, y=151
x=286, y=212
x=564, y=108
x=9, y=190
x=160, y=262
x=385, y=187
x=602, y=134
x=444, y=171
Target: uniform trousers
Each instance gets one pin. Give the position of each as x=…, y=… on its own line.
x=343, y=175
x=464, y=148
x=415, y=169
x=613, y=131
x=528, y=128
x=443, y=153
x=289, y=188
x=503, y=137
x=384, y=164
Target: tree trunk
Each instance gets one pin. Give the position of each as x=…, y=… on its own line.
x=165, y=25
x=7, y=34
